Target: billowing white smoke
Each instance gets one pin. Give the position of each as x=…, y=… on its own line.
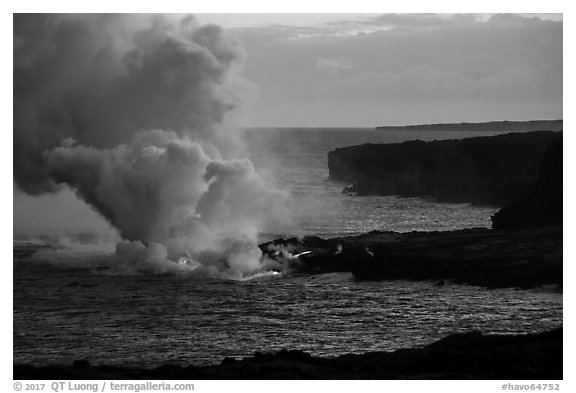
x=135, y=113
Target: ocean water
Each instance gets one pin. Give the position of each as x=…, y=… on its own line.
x=65, y=311
x=298, y=160
x=68, y=306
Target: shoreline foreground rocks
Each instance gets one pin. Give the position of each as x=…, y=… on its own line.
x=459, y=356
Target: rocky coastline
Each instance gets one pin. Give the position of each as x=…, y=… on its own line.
x=527, y=258
x=459, y=356
x=493, y=170
x=522, y=250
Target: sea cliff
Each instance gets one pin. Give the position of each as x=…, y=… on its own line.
x=543, y=206
x=495, y=170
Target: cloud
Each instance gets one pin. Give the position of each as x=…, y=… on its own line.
x=134, y=113
x=334, y=66
x=412, y=57
x=99, y=78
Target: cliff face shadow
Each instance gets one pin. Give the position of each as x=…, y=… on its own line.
x=496, y=170
x=543, y=206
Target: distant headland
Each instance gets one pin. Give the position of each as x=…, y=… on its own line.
x=495, y=126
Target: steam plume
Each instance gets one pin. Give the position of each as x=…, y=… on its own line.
x=135, y=113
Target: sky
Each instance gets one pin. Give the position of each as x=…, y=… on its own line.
x=341, y=70
x=366, y=70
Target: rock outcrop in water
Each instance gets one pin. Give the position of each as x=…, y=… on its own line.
x=460, y=356
x=494, y=259
x=543, y=207
x=495, y=170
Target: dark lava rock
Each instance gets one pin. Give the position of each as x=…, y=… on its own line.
x=83, y=363
x=493, y=259
x=543, y=207
x=494, y=170
x=478, y=256
x=460, y=356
